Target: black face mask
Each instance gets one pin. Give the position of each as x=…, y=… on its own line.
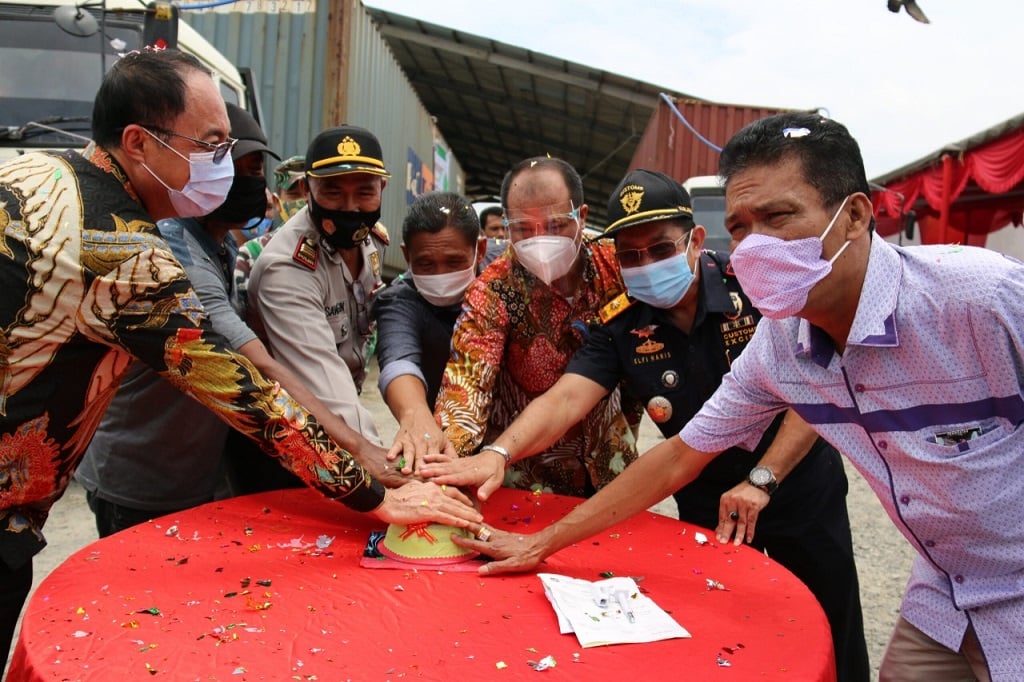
x=247, y=199
x=350, y=227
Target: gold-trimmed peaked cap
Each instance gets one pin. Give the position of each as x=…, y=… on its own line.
x=345, y=149
x=644, y=196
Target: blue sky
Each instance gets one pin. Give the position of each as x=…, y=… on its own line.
x=904, y=89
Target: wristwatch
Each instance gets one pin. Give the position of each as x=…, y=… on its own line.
x=500, y=450
x=763, y=478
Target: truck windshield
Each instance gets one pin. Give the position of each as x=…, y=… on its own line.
x=49, y=76
x=709, y=211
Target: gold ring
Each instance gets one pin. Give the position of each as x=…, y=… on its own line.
x=443, y=487
x=425, y=502
x=484, y=535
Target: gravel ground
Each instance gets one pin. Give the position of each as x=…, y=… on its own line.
x=883, y=556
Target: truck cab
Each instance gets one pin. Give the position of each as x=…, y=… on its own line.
x=53, y=55
x=707, y=197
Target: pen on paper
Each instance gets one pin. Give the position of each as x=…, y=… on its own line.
x=623, y=598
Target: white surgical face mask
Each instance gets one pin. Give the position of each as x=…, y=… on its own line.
x=208, y=183
x=445, y=289
x=547, y=256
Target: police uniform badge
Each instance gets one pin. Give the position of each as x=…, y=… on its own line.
x=614, y=307
x=349, y=147
x=381, y=233
x=306, y=253
x=360, y=234
x=648, y=345
x=737, y=305
x=659, y=408
x=375, y=263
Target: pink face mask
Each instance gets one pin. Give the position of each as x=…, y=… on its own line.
x=778, y=275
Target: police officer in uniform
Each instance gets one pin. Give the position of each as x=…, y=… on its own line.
x=668, y=344
x=313, y=285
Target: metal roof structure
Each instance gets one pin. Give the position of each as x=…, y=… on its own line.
x=954, y=149
x=497, y=104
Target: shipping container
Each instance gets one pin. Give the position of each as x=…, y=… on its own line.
x=683, y=140
x=320, y=63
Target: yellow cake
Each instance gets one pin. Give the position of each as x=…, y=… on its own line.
x=425, y=543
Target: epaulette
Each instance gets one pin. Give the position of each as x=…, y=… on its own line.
x=614, y=307
x=382, y=233
x=307, y=253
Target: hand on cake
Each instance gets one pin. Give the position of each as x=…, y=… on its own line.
x=417, y=501
x=512, y=552
x=485, y=471
x=418, y=436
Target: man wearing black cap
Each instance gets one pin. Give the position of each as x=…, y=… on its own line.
x=669, y=343
x=314, y=283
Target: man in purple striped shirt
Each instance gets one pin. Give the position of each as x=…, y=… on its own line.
x=908, y=360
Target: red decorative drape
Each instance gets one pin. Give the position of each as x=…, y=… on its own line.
x=995, y=167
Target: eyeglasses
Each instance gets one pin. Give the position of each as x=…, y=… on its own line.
x=555, y=223
x=219, y=149
x=632, y=258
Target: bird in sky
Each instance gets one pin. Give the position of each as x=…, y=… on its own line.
x=911, y=7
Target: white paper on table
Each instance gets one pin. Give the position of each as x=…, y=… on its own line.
x=574, y=600
x=564, y=626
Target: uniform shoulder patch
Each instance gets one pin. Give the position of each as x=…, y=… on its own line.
x=382, y=233
x=306, y=253
x=614, y=307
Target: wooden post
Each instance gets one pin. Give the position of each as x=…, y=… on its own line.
x=335, y=85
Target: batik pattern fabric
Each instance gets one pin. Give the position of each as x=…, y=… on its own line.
x=88, y=285
x=512, y=342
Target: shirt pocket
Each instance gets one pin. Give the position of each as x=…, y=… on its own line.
x=952, y=440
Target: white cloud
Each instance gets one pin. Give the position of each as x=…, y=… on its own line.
x=904, y=89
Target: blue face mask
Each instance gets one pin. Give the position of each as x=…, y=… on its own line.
x=661, y=284
x=257, y=227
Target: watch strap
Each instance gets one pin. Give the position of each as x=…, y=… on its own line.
x=500, y=450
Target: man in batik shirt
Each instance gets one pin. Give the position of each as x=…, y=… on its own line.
x=88, y=283
x=523, y=319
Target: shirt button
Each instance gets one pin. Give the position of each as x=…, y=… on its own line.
x=959, y=579
x=904, y=499
x=882, y=444
x=859, y=388
x=929, y=543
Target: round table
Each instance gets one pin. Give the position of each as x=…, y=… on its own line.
x=269, y=587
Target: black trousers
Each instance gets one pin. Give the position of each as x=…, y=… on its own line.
x=112, y=518
x=806, y=528
x=14, y=588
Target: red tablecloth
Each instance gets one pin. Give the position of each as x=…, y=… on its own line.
x=242, y=590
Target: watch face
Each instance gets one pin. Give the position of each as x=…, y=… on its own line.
x=760, y=476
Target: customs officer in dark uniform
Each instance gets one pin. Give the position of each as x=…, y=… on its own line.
x=668, y=344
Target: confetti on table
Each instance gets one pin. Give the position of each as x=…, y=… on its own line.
x=700, y=538
x=715, y=585
x=542, y=664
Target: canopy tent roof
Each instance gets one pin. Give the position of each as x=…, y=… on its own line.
x=961, y=192
x=497, y=103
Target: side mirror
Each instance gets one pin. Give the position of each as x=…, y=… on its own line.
x=75, y=21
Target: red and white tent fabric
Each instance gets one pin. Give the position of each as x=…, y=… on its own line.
x=961, y=192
